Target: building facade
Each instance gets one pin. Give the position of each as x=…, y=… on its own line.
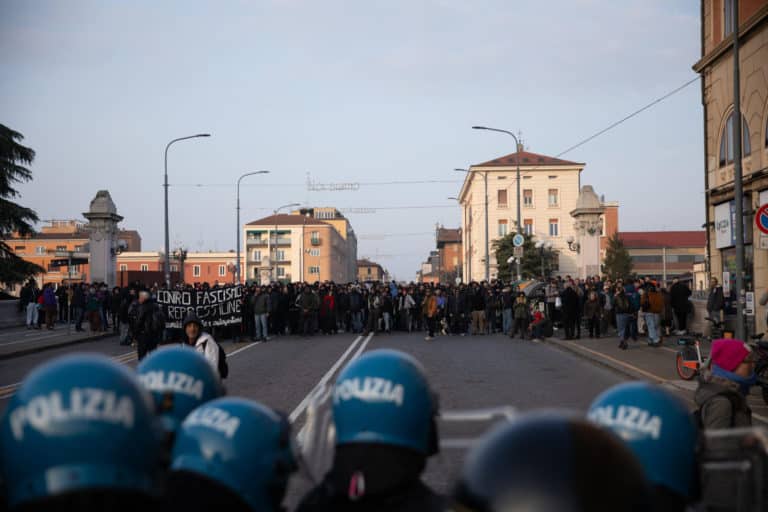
x=59, y=236
x=300, y=247
x=549, y=190
x=369, y=271
x=189, y=267
x=664, y=255
x=716, y=68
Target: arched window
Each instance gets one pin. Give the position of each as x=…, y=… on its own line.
x=726, y=141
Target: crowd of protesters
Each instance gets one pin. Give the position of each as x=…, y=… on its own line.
x=596, y=306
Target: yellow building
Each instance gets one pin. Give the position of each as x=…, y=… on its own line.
x=549, y=190
x=716, y=69
x=300, y=247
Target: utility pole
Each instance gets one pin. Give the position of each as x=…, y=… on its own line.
x=738, y=185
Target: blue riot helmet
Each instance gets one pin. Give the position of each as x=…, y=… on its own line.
x=383, y=397
x=180, y=379
x=551, y=462
x=231, y=454
x=659, y=429
x=80, y=429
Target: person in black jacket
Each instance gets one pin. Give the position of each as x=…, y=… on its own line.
x=680, y=293
x=570, y=309
x=145, y=330
x=715, y=300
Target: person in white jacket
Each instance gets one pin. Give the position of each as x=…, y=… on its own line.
x=201, y=340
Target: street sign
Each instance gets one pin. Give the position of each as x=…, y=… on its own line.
x=517, y=252
x=749, y=308
x=518, y=240
x=761, y=219
x=66, y=262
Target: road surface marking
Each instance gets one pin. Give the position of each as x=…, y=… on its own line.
x=235, y=352
x=299, y=410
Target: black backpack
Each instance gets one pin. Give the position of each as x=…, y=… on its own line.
x=223, y=366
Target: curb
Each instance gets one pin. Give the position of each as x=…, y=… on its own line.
x=27, y=351
x=625, y=372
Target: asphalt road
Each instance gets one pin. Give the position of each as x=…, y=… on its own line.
x=468, y=373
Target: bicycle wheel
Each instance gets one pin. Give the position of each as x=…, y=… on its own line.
x=686, y=363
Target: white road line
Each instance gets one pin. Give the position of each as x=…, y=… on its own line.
x=299, y=410
x=235, y=352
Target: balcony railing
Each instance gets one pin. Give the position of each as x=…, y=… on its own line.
x=316, y=241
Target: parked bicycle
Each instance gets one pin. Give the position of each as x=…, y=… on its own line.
x=690, y=359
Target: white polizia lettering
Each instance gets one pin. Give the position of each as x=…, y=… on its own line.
x=176, y=382
x=631, y=423
x=369, y=389
x=46, y=411
x=214, y=418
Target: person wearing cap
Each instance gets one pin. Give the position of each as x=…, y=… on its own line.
x=723, y=390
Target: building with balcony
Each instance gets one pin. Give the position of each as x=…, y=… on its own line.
x=549, y=190
x=716, y=68
x=300, y=247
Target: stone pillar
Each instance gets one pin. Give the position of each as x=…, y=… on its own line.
x=587, y=224
x=103, y=246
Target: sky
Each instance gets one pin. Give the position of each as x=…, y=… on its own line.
x=346, y=92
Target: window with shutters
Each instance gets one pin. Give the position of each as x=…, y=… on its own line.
x=528, y=198
x=501, y=195
x=528, y=226
x=503, y=227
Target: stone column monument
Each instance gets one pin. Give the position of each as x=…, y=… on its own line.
x=102, y=225
x=587, y=224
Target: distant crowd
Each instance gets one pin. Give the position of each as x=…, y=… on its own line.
x=595, y=306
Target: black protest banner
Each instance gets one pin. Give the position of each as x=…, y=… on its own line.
x=214, y=307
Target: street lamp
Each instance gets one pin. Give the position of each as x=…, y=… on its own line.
x=274, y=262
x=237, y=270
x=167, y=262
x=517, y=162
x=487, y=242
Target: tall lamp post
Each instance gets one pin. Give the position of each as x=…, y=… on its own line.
x=274, y=262
x=237, y=265
x=517, y=161
x=487, y=242
x=167, y=259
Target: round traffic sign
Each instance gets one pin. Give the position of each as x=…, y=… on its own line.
x=518, y=240
x=761, y=219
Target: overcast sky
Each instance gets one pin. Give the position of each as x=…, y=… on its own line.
x=347, y=91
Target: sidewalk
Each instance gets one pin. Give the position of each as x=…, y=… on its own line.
x=641, y=362
x=19, y=341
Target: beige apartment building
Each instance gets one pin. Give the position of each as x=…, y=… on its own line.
x=549, y=190
x=313, y=244
x=716, y=70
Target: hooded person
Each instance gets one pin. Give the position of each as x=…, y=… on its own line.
x=197, y=338
x=384, y=417
x=723, y=389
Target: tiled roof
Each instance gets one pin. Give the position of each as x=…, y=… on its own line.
x=527, y=159
x=284, y=219
x=367, y=263
x=654, y=239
